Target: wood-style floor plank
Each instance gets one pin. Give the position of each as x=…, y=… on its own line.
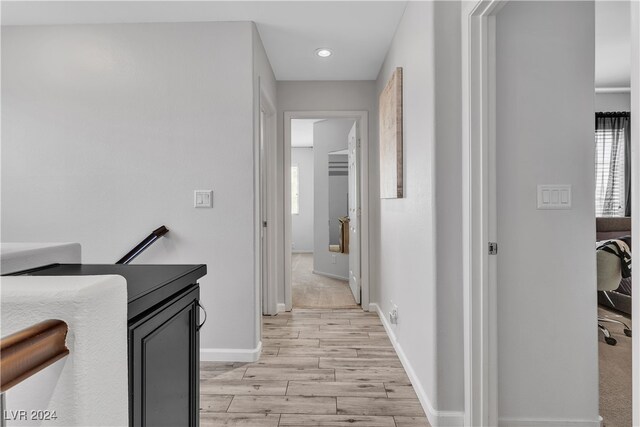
x=364, y=321
x=379, y=406
x=325, y=322
x=334, y=334
x=351, y=315
x=297, y=328
x=234, y=374
x=243, y=387
x=317, y=352
x=283, y=404
x=377, y=353
x=383, y=374
x=400, y=391
x=269, y=351
x=275, y=373
x=355, y=343
x=223, y=419
x=287, y=362
x=289, y=342
x=214, y=403
x=280, y=334
x=294, y=420
x=358, y=362
x=411, y=422
x=349, y=328
x=355, y=389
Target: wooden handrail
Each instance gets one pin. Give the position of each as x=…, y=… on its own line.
x=30, y=350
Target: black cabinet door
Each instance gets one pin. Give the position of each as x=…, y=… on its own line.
x=164, y=359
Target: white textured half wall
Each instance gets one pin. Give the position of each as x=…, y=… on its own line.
x=90, y=385
x=112, y=128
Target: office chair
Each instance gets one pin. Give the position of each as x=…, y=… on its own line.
x=609, y=276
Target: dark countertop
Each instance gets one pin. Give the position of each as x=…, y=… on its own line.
x=147, y=285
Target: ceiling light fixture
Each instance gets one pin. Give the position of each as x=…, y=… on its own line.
x=323, y=52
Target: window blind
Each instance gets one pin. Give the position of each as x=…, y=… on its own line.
x=610, y=173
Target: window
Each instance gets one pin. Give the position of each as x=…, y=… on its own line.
x=610, y=173
x=295, y=188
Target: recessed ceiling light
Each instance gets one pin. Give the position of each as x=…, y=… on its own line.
x=323, y=52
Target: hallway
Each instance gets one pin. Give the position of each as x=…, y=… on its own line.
x=317, y=368
x=310, y=290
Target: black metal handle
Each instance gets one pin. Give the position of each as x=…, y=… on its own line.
x=140, y=247
x=205, y=315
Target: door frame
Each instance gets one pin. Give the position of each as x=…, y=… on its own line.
x=478, y=169
x=361, y=118
x=267, y=301
x=635, y=199
x=479, y=208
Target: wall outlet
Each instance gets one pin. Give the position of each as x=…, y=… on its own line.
x=334, y=259
x=393, y=314
x=293, y=245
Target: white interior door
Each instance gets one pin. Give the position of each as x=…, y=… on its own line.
x=264, y=252
x=354, y=212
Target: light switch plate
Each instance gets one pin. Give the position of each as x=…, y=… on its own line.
x=554, y=196
x=203, y=198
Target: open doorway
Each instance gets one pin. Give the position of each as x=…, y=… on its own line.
x=529, y=143
x=324, y=198
x=613, y=208
x=325, y=231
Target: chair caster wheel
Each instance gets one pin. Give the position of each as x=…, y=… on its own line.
x=610, y=340
x=627, y=332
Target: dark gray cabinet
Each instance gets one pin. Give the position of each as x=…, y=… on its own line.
x=163, y=354
x=163, y=313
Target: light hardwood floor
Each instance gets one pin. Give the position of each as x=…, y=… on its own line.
x=319, y=367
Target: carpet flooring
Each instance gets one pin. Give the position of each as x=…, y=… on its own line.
x=309, y=290
x=615, y=373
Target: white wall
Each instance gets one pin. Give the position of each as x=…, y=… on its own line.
x=112, y=127
x=328, y=135
x=325, y=96
x=448, y=169
x=613, y=102
x=407, y=236
x=547, y=332
x=302, y=223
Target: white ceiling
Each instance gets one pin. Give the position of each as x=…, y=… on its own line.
x=613, y=44
x=358, y=32
x=302, y=132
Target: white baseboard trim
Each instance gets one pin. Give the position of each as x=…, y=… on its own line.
x=436, y=418
x=542, y=422
x=329, y=275
x=230, y=354
x=281, y=307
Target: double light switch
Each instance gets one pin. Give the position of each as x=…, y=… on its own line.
x=203, y=198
